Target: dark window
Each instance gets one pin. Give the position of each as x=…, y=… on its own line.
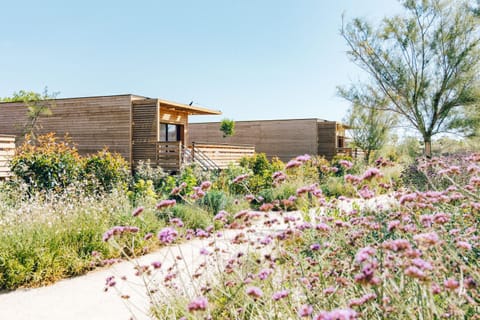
x=170, y=132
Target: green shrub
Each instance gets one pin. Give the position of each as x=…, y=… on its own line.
x=214, y=201
x=109, y=169
x=47, y=165
x=192, y=216
x=160, y=179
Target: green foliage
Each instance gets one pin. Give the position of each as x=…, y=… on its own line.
x=109, y=169
x=214, y=201
x=38, y=104
x=42, y=241
x=369, y=125
x=227, y=126
x=262, y=170
x=49, y=165
x=192, y=216
x=142, y=192
x=53, y=165
x=423, y=64
x=144, y=171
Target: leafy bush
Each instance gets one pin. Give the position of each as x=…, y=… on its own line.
x=109, y=169
x=214, y=201
x=48, y=165
x=144, y=171
x=192, y=216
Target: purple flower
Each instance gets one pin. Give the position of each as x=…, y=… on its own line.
x=293, y=164
x=198, y=304
x=254, y=292
x=167, y=235
x=177, y=221
x=336, y=314
x=166, y=203
x=137, y=211
x=264, y=273
x=205, y=185
x=240, y=178
x=315, y=247
x=280, y=295
x=371, y=173
x=346, y=164
x=305, y=310
x=156, y=264
x=364, y=254
x=303, y=158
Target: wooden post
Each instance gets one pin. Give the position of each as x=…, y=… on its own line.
x=193, y=152
x=179, y=154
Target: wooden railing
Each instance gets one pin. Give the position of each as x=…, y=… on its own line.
x=222, y=154
x=352, y=152
x=169, y=155
x=7, y=150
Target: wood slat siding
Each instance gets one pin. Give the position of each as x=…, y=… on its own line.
x=285, y=139
x=144, y=132
x=92, y=122
x=224, y=155
x=326, y=135
x=7, y=151
x=169, y=155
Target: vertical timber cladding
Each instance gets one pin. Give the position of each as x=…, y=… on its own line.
x=327, y=135
x=92, y=123
x=145, y=131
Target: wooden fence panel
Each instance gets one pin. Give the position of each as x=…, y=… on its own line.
x=7, y=151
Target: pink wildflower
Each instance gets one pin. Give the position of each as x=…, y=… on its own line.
x=364, y=254
x=346, y=164
x=198, y=304
x=137, y=211
x=156, y=264
x=303, y=158
x=167, y=235
x=293, y=164
x=430, y=238
x=415, y=272
x=371, y=173
x=280, y=295
x=451, y=284
x=240, y=178
x=305, y=310
x=464, y=245
x=205, y=185
x=166, y=203
x=336, y=314
x=254, y=292
x=264, y=273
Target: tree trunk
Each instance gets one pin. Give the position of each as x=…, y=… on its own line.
x=367, y=155
x=428, y=147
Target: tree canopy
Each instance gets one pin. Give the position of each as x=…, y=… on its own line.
x=425, y=63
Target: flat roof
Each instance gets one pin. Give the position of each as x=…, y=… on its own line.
x=190, y=109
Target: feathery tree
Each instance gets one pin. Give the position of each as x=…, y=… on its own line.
x=38, y=104
x=369, y=126
x=426, y=63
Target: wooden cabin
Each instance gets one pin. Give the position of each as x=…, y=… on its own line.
x=137, y=127
x=284, y=139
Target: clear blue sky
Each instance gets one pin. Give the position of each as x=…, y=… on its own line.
x=251, y=59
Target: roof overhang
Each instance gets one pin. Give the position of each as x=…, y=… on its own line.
x=191, y=110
